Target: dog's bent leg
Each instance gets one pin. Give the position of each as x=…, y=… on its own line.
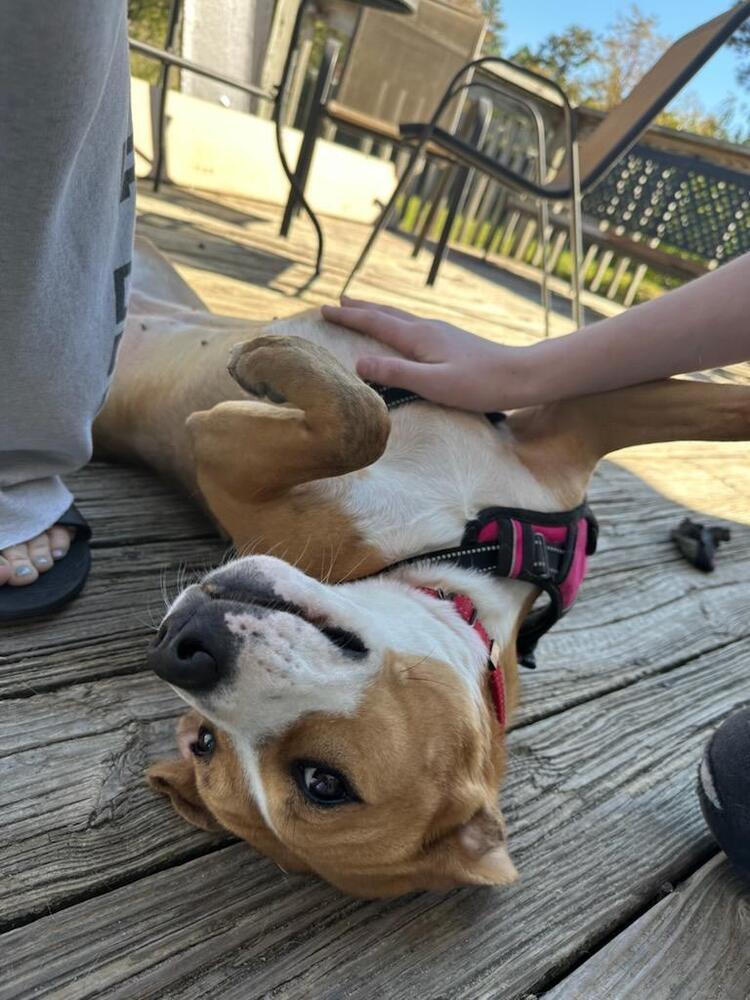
x=155, y=277
x=264, y=465
x=574, y=434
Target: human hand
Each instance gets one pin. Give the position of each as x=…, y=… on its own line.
x=440, y=361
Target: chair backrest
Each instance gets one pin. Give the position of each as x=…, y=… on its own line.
x=398, y=68
x=626, y=123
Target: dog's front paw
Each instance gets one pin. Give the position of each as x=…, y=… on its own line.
x=280, y=369
x=292, y=370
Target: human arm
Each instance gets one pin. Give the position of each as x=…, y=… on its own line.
x=704, y=324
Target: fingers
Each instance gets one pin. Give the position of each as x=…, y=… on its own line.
x=364, y=304
x=412, y=375
x=5, y=570
x=377, y=323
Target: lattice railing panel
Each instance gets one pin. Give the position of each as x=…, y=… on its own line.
x=689, y=204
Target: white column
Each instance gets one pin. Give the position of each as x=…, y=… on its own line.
x=229, y=36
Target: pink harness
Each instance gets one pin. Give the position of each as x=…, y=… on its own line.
x=549, y=551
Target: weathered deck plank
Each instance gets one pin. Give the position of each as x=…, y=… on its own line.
x=693, y=945
x=600, y=795
x=244, y=268
x=73, y=793
x=130, y=504
x=601, y=809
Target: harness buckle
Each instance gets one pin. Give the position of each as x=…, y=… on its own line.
x=540, y=557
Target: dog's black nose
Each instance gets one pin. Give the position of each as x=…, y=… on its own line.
x=191, y=653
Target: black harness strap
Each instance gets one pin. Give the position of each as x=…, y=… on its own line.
x=395, y=398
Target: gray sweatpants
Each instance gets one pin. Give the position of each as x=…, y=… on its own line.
x=66, y=228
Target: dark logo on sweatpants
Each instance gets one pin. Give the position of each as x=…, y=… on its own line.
x=128, y=168
x=121, y=309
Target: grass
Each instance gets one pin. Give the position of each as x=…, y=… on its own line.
x=477, y=232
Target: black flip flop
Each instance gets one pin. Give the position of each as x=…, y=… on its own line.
x=59, y=585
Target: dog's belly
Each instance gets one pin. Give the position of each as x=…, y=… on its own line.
x=440, y=466
x=171, y=362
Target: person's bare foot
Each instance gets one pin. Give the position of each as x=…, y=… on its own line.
x=21, y=564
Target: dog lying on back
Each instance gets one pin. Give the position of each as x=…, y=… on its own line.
x=342, y=717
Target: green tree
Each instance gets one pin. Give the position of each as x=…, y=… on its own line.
x=493, y=40
x=565, y=58
x=601, y=70
x=740, y=42
x=147, y=21
x=598, y=70
x=627, y=51
x=690, y=115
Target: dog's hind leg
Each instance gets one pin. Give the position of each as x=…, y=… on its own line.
x=571, y=436
x=264, y=465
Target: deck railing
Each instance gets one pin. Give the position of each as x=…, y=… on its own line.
x=658, y=219
x=674, y=207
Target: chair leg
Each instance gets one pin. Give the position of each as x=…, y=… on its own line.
x=432, y=212
x=454, y=202
x=301, y=172
x=384, y=215
x=460, y=187
x=576, y=237
x=309, y=139
x=161, y=120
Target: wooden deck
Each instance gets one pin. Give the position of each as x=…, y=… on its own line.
x=105, y=893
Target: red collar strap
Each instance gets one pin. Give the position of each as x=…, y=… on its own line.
x=465, y=607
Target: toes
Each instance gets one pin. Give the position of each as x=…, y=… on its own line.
x=39, y=553
x=23, y=571
x=5, y=571
x=59, y=541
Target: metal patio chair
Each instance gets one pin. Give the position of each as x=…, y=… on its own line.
x=584, y=164
x=372, y=96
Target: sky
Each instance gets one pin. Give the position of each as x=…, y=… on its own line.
x=530, y=21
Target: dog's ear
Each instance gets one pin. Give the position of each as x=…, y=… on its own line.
x=474, y=854
x=176, y=780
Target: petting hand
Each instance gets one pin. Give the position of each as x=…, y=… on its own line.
x=441, y=362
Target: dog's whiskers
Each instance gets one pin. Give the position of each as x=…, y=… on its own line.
x=163, y=587
x=353, y=570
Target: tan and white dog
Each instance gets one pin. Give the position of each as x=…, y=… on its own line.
x=341, y=722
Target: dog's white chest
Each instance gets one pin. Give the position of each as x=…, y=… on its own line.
x=440, y=468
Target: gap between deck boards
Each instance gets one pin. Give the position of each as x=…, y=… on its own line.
x=557, y=977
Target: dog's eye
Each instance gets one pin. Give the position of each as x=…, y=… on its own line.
x=323, y=785
x=205, y=745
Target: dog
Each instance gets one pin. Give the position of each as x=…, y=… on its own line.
x=349, y=703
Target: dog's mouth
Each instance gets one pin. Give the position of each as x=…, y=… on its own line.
x=195, y=647
x=264, y=598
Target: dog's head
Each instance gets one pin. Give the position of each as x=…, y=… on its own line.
x=345, y=730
